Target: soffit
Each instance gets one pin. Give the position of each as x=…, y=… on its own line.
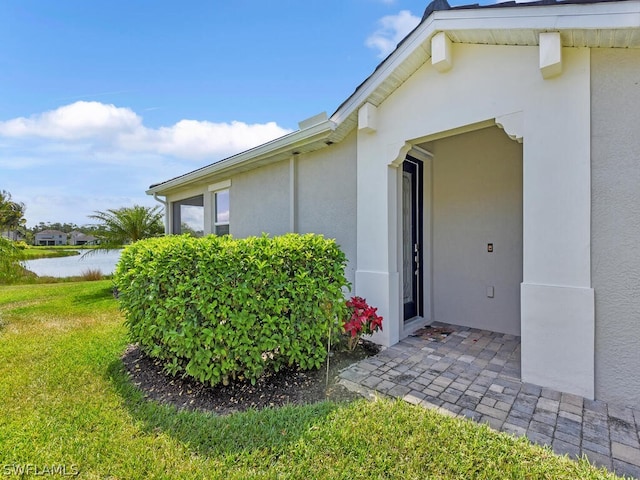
x=596, y=38
x=594, y=25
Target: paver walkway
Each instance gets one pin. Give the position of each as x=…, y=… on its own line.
x=476, y=374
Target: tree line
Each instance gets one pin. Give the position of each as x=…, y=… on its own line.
x=114, y=226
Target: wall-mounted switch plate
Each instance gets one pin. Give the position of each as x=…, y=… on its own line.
x=490, y=292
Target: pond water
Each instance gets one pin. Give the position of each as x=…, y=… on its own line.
x=105, y=261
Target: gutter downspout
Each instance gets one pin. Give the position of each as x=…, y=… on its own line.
x=166, y=212
x=293, y=224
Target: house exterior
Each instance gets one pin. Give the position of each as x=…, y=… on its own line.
x=79, y=238
x=486, y=174
x=50, y=238
x=14, y=235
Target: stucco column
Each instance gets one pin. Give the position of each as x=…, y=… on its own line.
x=557, y=301
x=376, y=217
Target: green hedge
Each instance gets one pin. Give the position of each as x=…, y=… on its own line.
x=215, y=308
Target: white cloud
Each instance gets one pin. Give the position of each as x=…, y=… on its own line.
x=67, y=163
x=94, y=126
x=17, y=162
x=76, y=121
x=391, y=30
x=200, y=139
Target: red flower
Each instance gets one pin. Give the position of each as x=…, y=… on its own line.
x=376, y=322
x=353, y=328
x=363, y=319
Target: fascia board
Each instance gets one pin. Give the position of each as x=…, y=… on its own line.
x=609, y=15
x=286, y=144
x=402, y=52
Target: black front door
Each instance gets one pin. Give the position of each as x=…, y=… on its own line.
x=412, y=237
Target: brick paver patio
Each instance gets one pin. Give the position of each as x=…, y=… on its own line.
x=476, y=374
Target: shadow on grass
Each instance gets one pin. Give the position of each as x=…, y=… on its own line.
x=97, y=295
x=266, y=430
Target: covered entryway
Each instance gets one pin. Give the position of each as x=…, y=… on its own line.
x=529, y=203
x=473, y=198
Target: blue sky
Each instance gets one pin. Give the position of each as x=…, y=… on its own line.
x=100, y=99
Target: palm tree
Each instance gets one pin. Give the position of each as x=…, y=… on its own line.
x=127, y=225
x=10, y=268
x=11, y=214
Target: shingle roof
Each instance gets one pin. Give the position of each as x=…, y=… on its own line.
x=50, y=232
x=437, y=5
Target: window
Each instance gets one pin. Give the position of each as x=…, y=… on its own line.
x=188, y=216
x=220, y=207
x=221, y=212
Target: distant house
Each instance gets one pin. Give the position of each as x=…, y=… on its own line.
x=79, y=238
x=51, y=237
x=485, y=174
x=14, y=235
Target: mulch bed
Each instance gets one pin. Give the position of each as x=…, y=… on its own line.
x=288, y=386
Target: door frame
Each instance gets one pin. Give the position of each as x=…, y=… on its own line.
x=415, y=169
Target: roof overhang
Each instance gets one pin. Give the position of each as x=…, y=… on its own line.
x=301, y=141
x=614, y=24
x=608, y=24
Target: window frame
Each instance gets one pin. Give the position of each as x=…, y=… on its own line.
x=216, y=189
x=176, y=213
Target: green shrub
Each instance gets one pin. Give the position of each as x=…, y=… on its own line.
x=21, y=245
x=216, y=308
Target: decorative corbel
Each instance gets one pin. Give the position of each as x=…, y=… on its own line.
x=550, y=54
x=368, y=118
x=441, y=57
x=513, y=125
x=402, y=151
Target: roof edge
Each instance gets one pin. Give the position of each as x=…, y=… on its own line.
x=285, y=145
x=440, y=18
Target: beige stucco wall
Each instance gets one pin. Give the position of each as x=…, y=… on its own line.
x=326, y=196
x=477, y=200
x=259, y=201
x=615, y=216
x=323, y=200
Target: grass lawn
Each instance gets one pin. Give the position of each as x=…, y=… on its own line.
x=32, y=253
x=66, y=403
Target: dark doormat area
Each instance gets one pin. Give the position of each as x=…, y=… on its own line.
x=433, y=333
